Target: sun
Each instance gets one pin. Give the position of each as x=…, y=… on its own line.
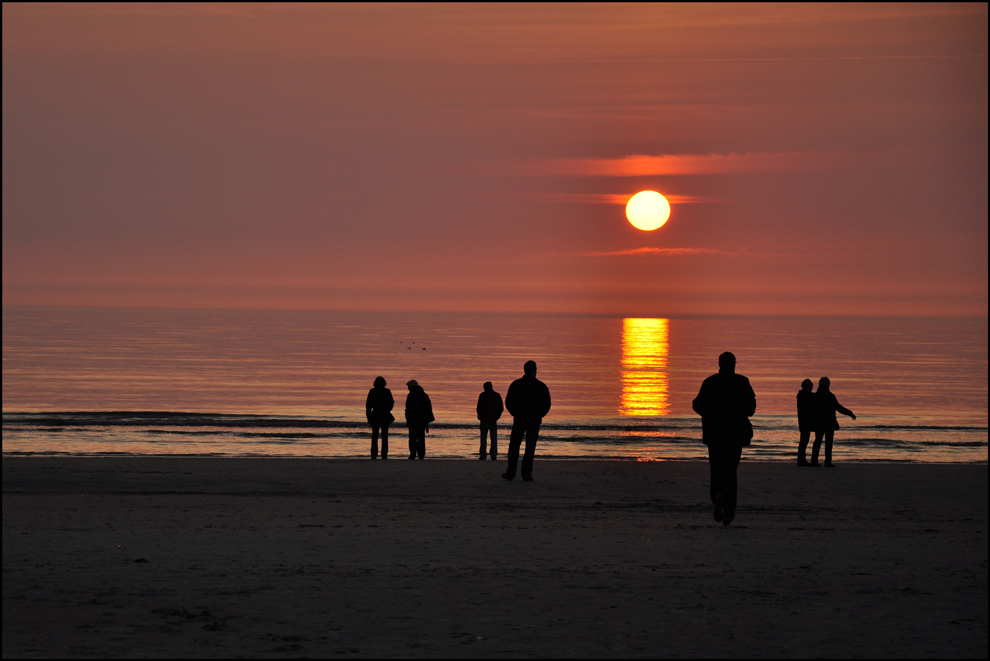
x=647, y=210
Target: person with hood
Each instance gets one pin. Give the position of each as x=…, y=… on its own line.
x=419, y=415
x=806, y=419
x=378, y=409
x=528, y=401
x=489, y=411
x=826, y=406
x=725, y=402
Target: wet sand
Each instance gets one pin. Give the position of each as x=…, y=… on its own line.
x=307, y=557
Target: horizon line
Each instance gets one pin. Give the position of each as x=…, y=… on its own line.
x=599, y=315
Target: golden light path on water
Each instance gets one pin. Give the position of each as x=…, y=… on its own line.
x=645, y=382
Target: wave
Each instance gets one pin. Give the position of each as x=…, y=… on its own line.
x=55, y=420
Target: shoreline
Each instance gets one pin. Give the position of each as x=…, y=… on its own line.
x=184, y=434
x=466, y=458
x=221, y=557
x=669, y=441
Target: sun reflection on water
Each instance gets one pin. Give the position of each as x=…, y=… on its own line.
x=645, y=383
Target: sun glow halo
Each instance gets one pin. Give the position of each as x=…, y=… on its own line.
x=647, y=210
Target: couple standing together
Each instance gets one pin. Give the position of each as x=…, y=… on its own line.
x=528, y=401
x=419, y=415
x=816, y=413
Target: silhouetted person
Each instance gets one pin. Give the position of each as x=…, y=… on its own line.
x=528, y=400
x=826, y=406
x=419, y=415
x=378, y=408
x=725, y=402
x=806, y=419
x=489, y=411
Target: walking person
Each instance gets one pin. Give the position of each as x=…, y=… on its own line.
x=528, y=401
x=826, y=406
x=419, y=415
x=489, y=411
x=806, y=419
x=725, y=402
x=378, y=409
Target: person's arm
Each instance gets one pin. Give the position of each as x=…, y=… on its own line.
x=700, y=403
x=367, y=405
x=510, y=399
x=751, y=400
x=843, y=410
x=500, y=407
x=481, y=400
x=429, y=412
x=549, y=402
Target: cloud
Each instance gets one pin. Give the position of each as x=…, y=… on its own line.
x=639, y=165
x=614, y=198
x=648, y=251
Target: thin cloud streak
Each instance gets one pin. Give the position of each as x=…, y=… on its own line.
x=639, y=165
x=647, y=251
x=619, y=199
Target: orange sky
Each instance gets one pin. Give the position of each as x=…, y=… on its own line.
x=820, y=159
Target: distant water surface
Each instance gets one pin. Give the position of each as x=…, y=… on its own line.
x=126, y=381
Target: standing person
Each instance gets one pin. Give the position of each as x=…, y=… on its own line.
x=489, y=411
x=826, y=405
x=806, y=419
x=378, y=408
x=725, y=402
x=528, y=400
x=419, y=415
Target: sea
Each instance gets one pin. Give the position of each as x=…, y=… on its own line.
x=121, y=381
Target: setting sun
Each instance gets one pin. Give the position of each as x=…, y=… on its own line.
x=647, y=210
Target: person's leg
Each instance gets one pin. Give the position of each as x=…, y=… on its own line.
x=494, y=433
x=719, y=461
x=483, y=448
x=724, y=460
x=817, y=446
x=803, y=447
x=532, y=435
x=515, y=439
x=729, y=481
x=385, y=442
x=716, y=489
x=374, y=441
x=829, y=435
x=421, y=442
x=412, y=442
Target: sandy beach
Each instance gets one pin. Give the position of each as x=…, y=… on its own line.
x=297, y=557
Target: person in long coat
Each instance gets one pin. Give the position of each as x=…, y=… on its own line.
x=489, y=411
x=826, y=406
x=806, y=419
x=378, y=409
x=725, y=402
x=419, y=415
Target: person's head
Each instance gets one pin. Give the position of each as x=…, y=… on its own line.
x=807, y=385
x=488, y=386
x=380, y=382
x=412, y=384
x=824, y=383
x=530, y=368
x=727, y=362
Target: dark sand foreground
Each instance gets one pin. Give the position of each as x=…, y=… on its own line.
x=299, y=557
